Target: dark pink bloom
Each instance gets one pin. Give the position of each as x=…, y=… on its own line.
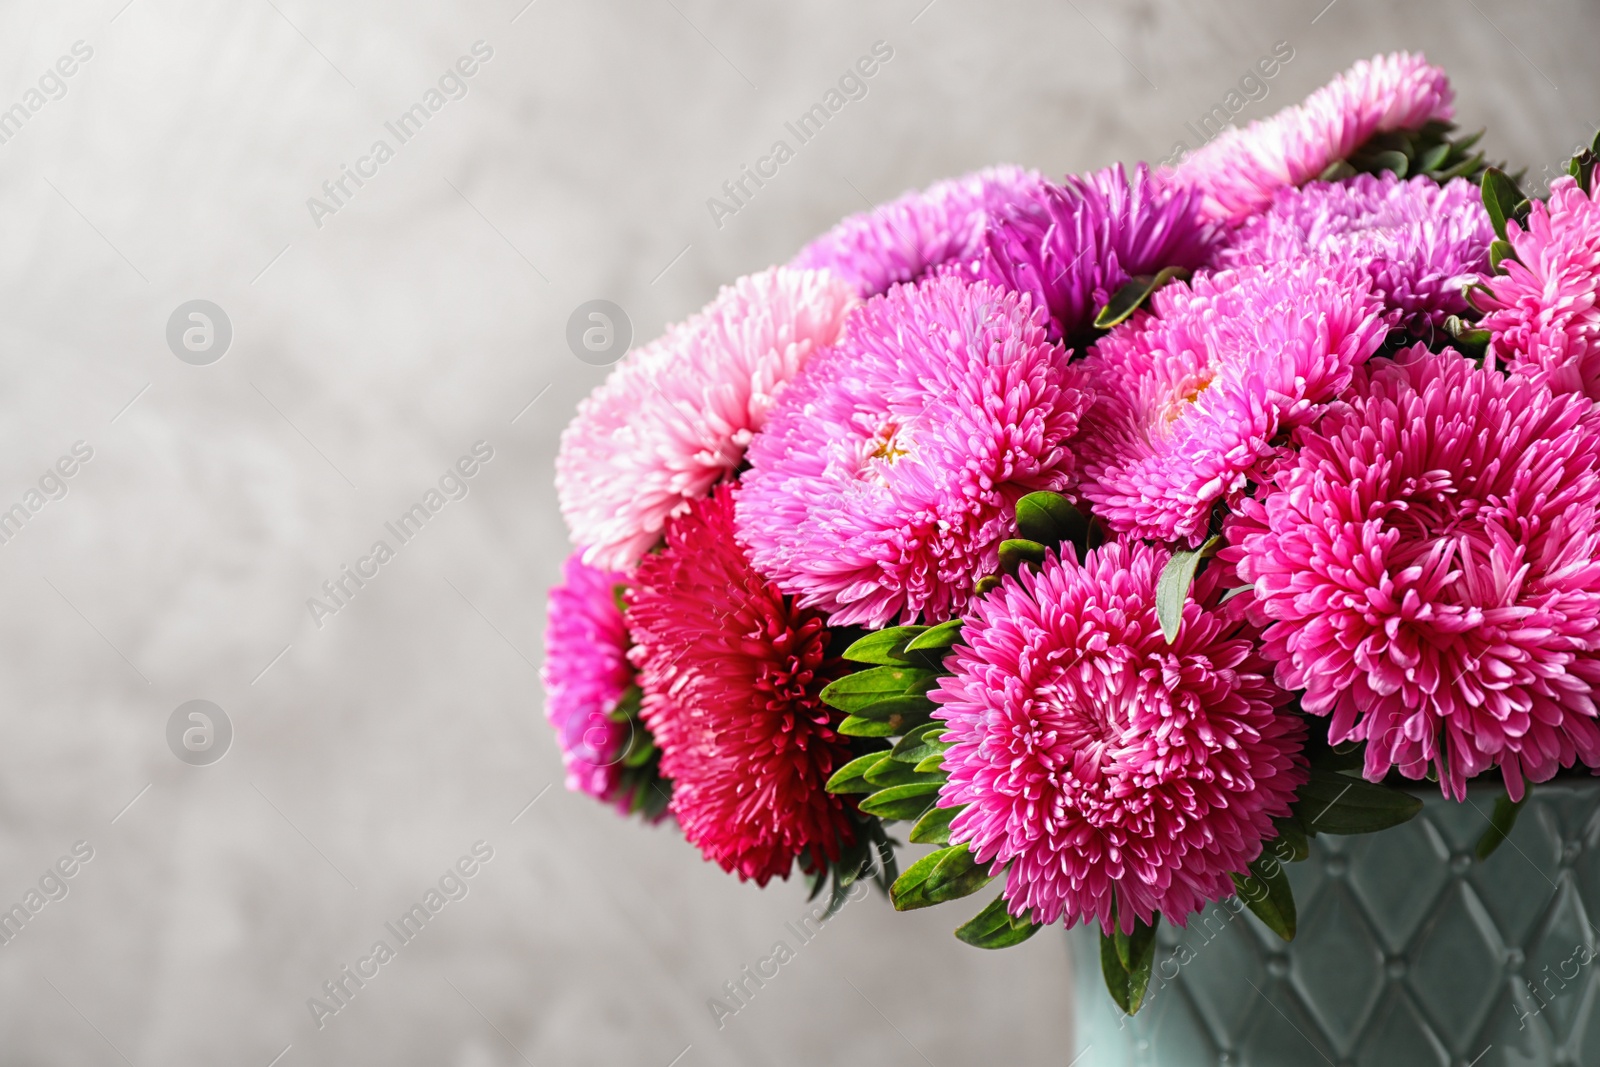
x=1105, y=765
x=1542, y=313
x=889, y=473
x=585, y=672
x=1192, y=402
x=731, y=672
x=1430, y=566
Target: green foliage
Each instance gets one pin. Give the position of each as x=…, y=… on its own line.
x=1433, y=151
x=1172, y=588
x=1134, y=292
x=1125, y=962
x=934, y=826
x=1266, y=892
x=1501, y=822
x=1335, y=803
x=995, y=927
x=945, y=874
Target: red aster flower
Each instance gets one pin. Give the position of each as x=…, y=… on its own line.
x=731, y=672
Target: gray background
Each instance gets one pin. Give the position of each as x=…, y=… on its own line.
x=368, y=354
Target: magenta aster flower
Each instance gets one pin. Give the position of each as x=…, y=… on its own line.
x=1421, y=243
x=1237, y=172
x=585, y=672
x=676, y=415
x=731, y=673
x=1105, y=765
x=1191, y=400
x=1071, y=246
x=1542, y=314
x=902, y=240
x=889, y=473
x=1430, y=564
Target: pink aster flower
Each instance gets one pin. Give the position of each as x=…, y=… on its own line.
x=1421, y=243
x=676, y=415
x=903, y=239
x=731, y=673
x=1430, y=566
x=889, y=473
x=1191, y=401
x=1106, y=766
x=1542, y=314
x=585, y=673
x=1071, y=246
x=1237, y=172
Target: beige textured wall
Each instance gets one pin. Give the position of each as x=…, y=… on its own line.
x=367, y=355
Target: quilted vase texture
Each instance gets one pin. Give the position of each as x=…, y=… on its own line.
x=1409, y=953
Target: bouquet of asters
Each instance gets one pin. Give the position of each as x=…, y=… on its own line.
x=1115, y=535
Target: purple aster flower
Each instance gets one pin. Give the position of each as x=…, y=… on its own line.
x=1071, y=246
x=1420, y=242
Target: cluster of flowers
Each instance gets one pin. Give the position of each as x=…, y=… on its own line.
x=1319, y=403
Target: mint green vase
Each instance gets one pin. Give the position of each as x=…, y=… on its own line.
x=1410, y=953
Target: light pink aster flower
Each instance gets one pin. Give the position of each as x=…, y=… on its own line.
x=1421, y=243
x=1238, y=171
x=1105, y=765
x=1430, y=565
x=585, y=673
x=1542, y=314
x=677, y=414
x=1191, y=401
x=902, y=240
x=889, y=472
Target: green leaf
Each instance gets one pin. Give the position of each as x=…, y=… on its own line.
x=1291, y=845
x=640, y=749
x=1433, y=158
x=986, y=583
x=1050, y=519
x=1500, y=199
x=1125, y=961
x=994, y=927
x=955, y=876
x=1499, y=252
x=1337, y=171
x=1126, y=300
x=628, y=705
x=869, y=693
x=1016, y=551
x=940, y=876
x=930, y=764
x=1466, y=168
x=1333, y=803
x=907, y=893
x=1504, y=818
x=901, y=801
x=1266, y=892
x=1468, y=338
x=855, y=726
x=883, y=646
x=1395, y=161
x=1172, y=589
x=934, y=826
x=921, y=743
x=942, y=636
x=852, y=777
x=893, y=772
